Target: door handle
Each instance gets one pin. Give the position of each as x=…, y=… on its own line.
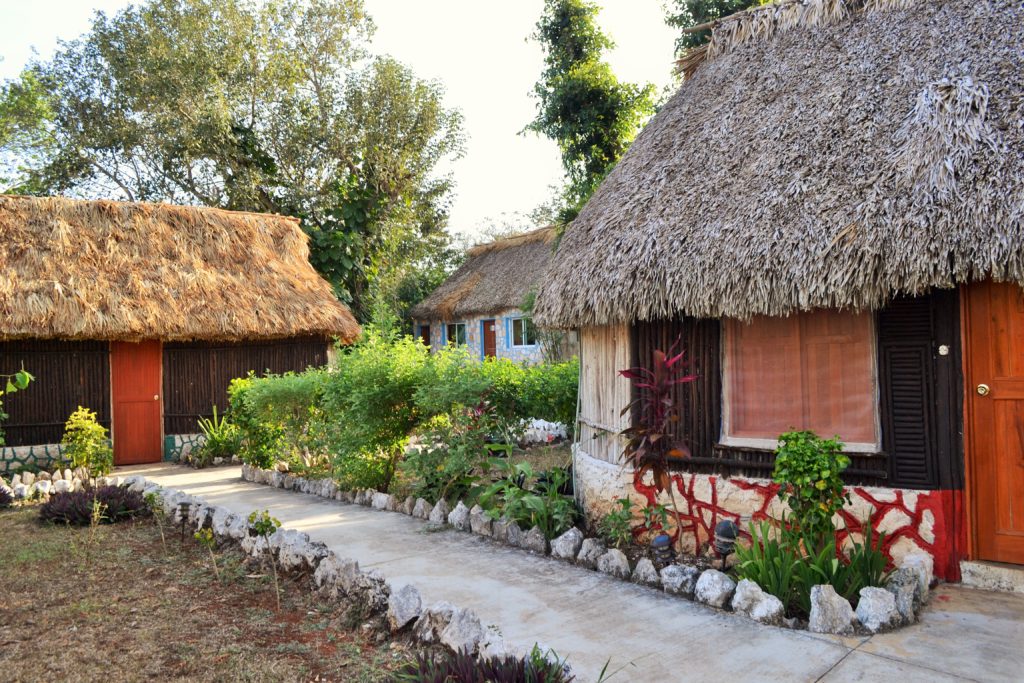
x=156, y=398
x=983, y=390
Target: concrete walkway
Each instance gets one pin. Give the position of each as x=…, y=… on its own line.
x=647, y=636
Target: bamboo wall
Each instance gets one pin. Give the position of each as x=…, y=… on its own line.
x=604, y=351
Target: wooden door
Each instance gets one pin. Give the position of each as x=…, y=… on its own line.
x=994, y=375
x=490, y=339
x=135, y=372
x=425, y=335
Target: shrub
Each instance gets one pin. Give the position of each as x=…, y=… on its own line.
x=453, y=379
x=6, y=499
x=278, y=417
x=543, y=505
x=616, y=527
x=462, y=667
x=809, y=470
x=369, y=408
x=222, y=439
x=86, y=444
x=76, y=507
x=549, y=392
x=770, y=561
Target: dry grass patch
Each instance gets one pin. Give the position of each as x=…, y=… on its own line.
x=135, y=610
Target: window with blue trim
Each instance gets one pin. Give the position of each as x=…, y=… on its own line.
x=523, y=332
x=456, y=334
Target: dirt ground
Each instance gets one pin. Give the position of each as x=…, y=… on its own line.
x=126, y=607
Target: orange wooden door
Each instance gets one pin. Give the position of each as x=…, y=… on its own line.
x=135, y=375
x=490, y=339
x=995, y=418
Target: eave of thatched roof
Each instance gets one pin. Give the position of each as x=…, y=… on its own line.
x=834, y=162
x=495, y=277
x=128, y=271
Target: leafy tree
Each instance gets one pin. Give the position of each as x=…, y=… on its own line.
x=582, y=105
x=684, y=14
x=268, y=105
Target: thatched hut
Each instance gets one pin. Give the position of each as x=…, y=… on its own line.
x=480, y=306
x=144, y=312
x=830, y=213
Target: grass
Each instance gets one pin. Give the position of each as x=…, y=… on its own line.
x=133, y=612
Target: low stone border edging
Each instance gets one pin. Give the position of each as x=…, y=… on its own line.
x=27, y=485
x=879, y=609
x=335, y=577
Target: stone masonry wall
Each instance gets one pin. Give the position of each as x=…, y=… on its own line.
x=924, y=521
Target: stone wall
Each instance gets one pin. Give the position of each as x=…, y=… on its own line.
x=474, y=336
x=41, y=457
x=914, y=521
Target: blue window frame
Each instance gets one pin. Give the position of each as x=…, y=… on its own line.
x=523, y=333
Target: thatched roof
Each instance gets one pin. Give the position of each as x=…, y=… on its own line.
x=831, y=160
x=128, y=271
x=495, y=277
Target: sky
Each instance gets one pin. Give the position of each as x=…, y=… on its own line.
x=476, y=48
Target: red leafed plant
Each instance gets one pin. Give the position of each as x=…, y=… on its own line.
x=650, y=444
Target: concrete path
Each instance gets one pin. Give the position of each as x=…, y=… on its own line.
x=647, y=636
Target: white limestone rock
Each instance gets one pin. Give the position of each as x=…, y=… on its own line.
x=876, y=610
x=463, y=633
x=567, y=546
x=590, y=552
x=830, y=612
x=535, y=541
x=459, y=517
x=479, y=523
x=680, y=579
x=751, y=601
x=422, y=509
x=714, y=588
x=645, y=574
x=614, y=562
x=434, y=620
x=439, y=515
x=404, y=607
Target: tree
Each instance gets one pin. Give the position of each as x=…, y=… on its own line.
x=270, y=105
x=685, y=14
x=582, y=105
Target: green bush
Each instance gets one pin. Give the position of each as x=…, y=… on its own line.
x=262, y=441
x=770, y=561
x=549, y=392
x=369, y=408
x=616, y=527
x=85, y=443
x=809, y=470
x=542, y=505
x=221, y=439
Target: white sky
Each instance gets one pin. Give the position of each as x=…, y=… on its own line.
x=476, y=48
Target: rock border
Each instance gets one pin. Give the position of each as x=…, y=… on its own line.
x=908, y=586
x=333, y=577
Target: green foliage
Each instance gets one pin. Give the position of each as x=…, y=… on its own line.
x=581, y=104
x=12, y=383
x=809, y=469
x=272, y=106
x=86, y=444
x=769, y=561
x=655, y=518
x=222, y=439
x=684, y=14
x=262, y=442
x=542, y=505
x=263, y=524
x=616, y=527
x=463, y=667
x=369, y=396
x=549, y=392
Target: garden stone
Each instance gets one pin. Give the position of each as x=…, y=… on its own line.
x=923, y=567
x=20, y=491
x=714, y=588
x=493, y=645
x=567, y=546
x=434, y=620
x=276, y=479
x=479, y=522
x=15, y=480
x=348, y=497
x=535, y=541
x=237, y=527
x=500, y=529
x=463, y=633
x=645, y=574
x=591, y=551
x=43, y=487
x=334, y=574
x=439, y=515
x=830, y=612
x=876, y=610
x=750, y=601
x=135, y=482
x=217, y=462
x=459, y=517
x=373, y=590
x=404, y=607
x=394, y=505
x=905, y=587
x=115, y=481
x=380, y=501
x=422, y=509
x=255, y=546
x=43, y=476
x=235, y=460
x=56, y=476
x=680, y=579
x=614, y=562
x=68, y=474
x=409, y=505
x=28, y=478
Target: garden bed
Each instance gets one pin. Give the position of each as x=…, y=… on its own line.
x=879, y=609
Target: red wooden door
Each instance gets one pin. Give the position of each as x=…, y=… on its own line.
x=490, y=339
x=135, y=375
x=995, y=418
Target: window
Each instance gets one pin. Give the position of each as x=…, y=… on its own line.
x=523, y=332
x=808, y=371
x=456, y=334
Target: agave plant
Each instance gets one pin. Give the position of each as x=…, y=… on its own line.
x=650, y=444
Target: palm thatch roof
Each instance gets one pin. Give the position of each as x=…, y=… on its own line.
x=495, y=277
x=822, y=153
x=129, y=271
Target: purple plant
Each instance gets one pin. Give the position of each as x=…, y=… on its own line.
x=75, y=508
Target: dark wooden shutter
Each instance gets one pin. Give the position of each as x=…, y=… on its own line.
x=919, y=390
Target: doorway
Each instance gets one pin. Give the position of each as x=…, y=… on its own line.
x=490, y=339
x=135, y=380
